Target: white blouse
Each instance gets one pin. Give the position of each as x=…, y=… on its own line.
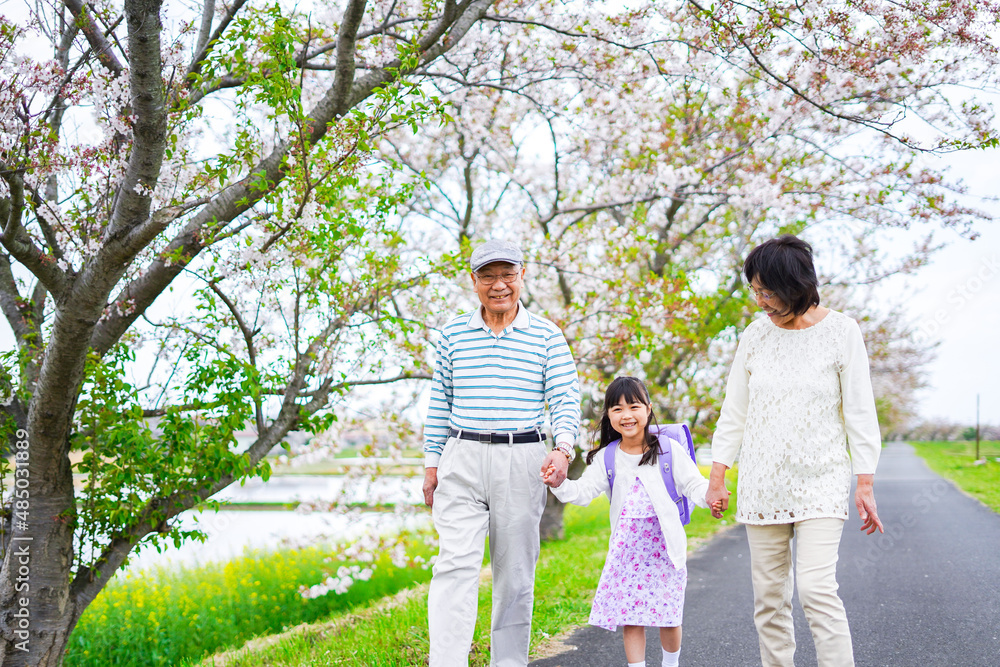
x=688, y=481
x=797, y=400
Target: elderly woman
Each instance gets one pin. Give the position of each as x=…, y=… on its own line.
x=799, y=397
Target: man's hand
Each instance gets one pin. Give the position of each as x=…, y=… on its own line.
x=430, y=483
x=717, y=495
x=864, y=499
x=554, y=468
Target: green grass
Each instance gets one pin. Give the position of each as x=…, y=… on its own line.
x=377, y=635
x=955, y=460
x=169, y=616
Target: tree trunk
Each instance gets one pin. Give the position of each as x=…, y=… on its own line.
x=38, y=612
x=551, y=526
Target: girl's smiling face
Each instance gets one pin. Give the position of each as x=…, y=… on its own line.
x=629, y=419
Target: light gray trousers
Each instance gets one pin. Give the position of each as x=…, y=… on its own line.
x=816, y=550
x=492, y=489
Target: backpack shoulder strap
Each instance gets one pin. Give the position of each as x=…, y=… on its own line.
x=609, y=464
x=682, y=434
x=665, y=458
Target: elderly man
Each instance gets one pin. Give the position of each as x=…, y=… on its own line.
x=484, y=450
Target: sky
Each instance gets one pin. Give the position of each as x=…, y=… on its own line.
x=956, y=300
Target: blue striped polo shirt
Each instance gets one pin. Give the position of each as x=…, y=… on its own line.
x=486, y=382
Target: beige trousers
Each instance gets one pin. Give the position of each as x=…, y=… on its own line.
x=495, y=490
x=816, y=549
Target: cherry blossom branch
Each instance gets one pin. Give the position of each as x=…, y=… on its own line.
x=239, y=197
x=202, y=52
x=90, y=580
x=207, y=14
x=683, y=238
x=346, y=44
x=38, y=202
x=214, y=86
x=248, y=336
x=587, y=210
x=95, y=36
x=581, y=35
x=382, y=29
x=406, y=375
x=465, y=83
x=142, y=235
x=11, y=302
x=62, y=56
x=149, y=132
x=17, y=241
x=25, y=320
x=434, y=184
x=882, y=128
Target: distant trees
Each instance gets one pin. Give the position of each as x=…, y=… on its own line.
x=943, y=430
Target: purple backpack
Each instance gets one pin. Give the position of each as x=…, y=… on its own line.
x=679, y=432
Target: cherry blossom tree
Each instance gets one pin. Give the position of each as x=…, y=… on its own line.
x=639, y=156
x=238, y=216
x=228, y=158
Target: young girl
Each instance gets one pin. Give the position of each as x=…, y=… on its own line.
x=644, y=574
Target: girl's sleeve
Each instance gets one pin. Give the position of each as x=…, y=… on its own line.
x=863, y=435
x=591, y=484
x=687, y=478
x=732, y=421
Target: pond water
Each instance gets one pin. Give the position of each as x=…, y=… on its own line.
x=328, y=488
x=232, y=532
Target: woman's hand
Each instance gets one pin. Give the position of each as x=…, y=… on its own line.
x=864, y=498
x=717, y=496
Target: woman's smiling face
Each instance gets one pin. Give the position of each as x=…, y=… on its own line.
x=772, y=305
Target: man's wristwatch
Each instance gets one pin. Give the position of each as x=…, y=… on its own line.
x=570, y=452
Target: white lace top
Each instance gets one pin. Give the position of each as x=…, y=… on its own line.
x=796, y=401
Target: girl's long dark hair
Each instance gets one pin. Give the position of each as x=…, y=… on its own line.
x=633, y=391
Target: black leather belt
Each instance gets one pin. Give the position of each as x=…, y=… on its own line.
x=497, y=438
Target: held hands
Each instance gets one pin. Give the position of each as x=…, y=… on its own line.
x=717, y=509
x=864, y=499
x=717, y=495
x=554, y=469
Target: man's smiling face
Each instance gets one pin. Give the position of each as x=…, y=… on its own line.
x=502, y=295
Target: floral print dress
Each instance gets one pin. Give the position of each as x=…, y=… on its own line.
x=639, y=584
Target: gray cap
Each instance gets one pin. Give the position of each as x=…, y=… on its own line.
x=495, y=250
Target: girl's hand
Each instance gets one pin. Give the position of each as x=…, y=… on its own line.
x=717, y=495
x=549, y=476
x=717, y=509
x=554, y=468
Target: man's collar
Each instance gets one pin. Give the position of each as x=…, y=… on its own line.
x=521, y=321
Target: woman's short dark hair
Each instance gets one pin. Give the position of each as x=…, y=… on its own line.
x=784, y=265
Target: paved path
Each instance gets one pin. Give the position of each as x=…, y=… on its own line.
x=924, y=594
